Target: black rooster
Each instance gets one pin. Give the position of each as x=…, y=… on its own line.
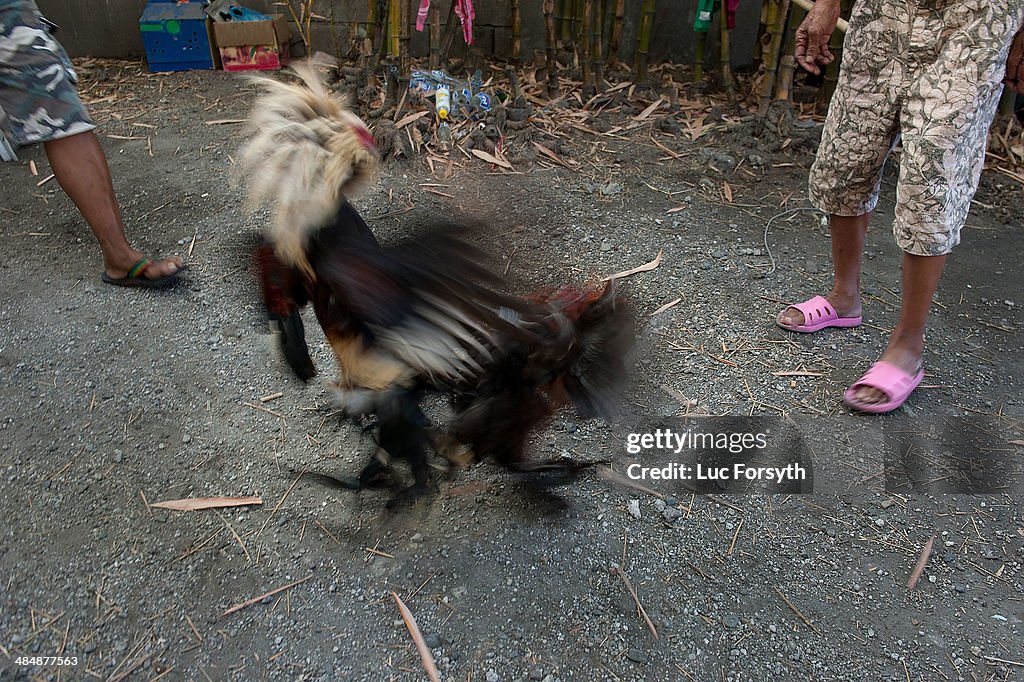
x=423, y=315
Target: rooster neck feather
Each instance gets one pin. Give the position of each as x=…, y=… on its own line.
x=306, y=154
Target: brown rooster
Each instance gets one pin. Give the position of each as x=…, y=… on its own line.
x=423, y=315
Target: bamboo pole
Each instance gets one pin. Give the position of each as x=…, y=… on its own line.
x=549, y=33
x=450, y=29
x=698, y=56
x=787, y=65
x=776, y=30
x=616, y=34
x=726, y=57
x=394, y=27
x=435, y=35
x=585, y=46
x=517, y=30
x=404, y=36
x=597, y=46
x=565, y=21
x=644, y=41
x=380, y=44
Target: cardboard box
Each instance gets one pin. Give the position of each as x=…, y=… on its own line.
x=252, y=45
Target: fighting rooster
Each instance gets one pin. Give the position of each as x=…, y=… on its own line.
x=424, y=315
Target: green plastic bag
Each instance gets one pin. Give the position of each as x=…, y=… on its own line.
x=705, y=10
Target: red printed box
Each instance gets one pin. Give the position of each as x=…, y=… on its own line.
x=252, y=45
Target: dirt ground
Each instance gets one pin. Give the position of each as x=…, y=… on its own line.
x=114, y=398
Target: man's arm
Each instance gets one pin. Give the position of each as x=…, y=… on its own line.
x=814, y=33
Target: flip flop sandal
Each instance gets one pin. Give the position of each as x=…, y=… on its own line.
x=818, y=314
x=136, y=277
x=886, y=377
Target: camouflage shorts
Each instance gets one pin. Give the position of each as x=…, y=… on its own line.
x=929, y=71
x=38, y=101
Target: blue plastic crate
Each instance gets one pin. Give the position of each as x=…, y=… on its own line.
x=175, y=36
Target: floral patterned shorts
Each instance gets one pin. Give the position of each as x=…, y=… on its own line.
x=930, y=71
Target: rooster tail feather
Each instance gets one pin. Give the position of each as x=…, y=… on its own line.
x=306, y=153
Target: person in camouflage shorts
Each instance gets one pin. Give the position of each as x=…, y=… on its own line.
x=39, y=103
x=929, y=73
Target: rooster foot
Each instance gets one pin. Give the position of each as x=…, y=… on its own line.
x=411, y=495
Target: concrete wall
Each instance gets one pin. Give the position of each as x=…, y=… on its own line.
x=109, y=28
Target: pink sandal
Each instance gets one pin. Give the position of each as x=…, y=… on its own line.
x=818, y=314
x=886, y=377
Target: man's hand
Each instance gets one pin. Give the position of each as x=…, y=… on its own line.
x=1015, y=64
x=814, y=33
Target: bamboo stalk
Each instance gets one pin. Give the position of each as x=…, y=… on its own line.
x=394, y=27
x=787, y=65
x=549, y=32
x=435, y=35
x=698, y=56
x=517, y=29
x=403, y=36
x=565, y=21
x=762, y=33
x=450, y=28
x=777, y=30
x=585, y=46
x=726, y=57
x=371, y=20
x=644, y=42
x=597, y=46
x=616, y=34
x=380, y=44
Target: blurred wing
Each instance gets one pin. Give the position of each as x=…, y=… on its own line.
x=428, y=301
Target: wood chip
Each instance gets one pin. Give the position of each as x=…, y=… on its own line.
x=643, y=268
x=32, y=168
x=196, y=503
x=421, y=645
x=490, y=158
x=649, y=110
x=922, y=561
x=665, y=307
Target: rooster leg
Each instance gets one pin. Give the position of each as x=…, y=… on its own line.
x=403, y=434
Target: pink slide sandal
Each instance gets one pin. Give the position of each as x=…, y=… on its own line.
x=896, y=384
x=819, y=314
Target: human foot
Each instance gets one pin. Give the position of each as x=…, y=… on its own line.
x=820, y=312
x=888, y=383
x=145, y=273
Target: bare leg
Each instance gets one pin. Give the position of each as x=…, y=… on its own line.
x=848, y=234
x=921, y=276
x=81, y=169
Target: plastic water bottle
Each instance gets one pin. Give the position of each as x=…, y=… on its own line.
x=442, y=102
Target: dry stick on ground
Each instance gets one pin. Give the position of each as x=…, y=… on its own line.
x=632, y=592
x=921, y=563
x=421, y=645
x=271, y=593
x=794, y=609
